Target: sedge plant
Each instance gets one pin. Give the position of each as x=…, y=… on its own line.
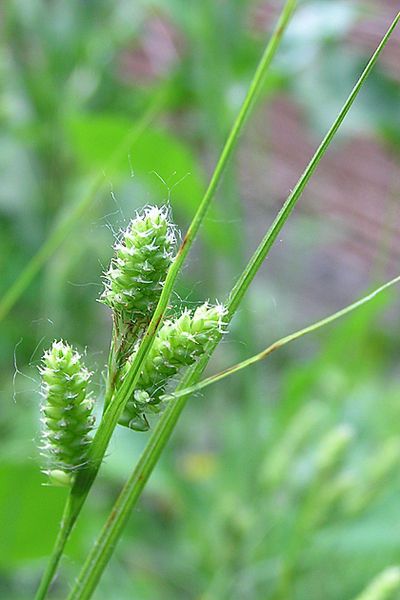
x=146, y=355
x=120, y=396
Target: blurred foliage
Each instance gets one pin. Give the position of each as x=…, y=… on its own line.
x=252, y=499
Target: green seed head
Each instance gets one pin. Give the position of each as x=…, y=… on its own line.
x=66, y=412
x=178, y=344
x=134, y=281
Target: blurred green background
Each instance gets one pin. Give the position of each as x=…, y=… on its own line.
x=281, y=482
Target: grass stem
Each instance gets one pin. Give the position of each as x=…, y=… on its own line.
x=115, y=408
x=63, y=533
x=281, y=342
x=105, y=544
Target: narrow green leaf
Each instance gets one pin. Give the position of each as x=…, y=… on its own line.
x=86, y=477
x=259, y=256
x=115, y=408
x=279, y=343
x=105, y=544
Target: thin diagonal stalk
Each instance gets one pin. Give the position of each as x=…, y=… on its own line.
x=116, y=407
x=279, y=343
x=251, y=269
x=105, y=544
x=116, y=521
x=62, y=536
x=37, y=262
x=110, y=419
x=67, y=225
x=255, y=87
x=111, y=416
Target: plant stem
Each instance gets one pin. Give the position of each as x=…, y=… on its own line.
x=104, y=546
x=115, y=408
x=279, y=343
x=65, y=529
x=288, y=206
x=72, y=509
x=113, y=527
x=119, y=350
x=254, y=89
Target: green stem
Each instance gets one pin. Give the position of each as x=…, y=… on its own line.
x=259, y=256
x=119, y=350
x=73, y=506
x=114, y=526
x=103, y=548
x=255, y=87
x=115, y=408
x=279, y=343
x=111, y=372
x=102, y=551
x=65, y=529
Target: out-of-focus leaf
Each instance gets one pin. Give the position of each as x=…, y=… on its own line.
x=29, y=518
x=164, y=163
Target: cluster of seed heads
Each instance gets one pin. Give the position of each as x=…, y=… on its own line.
x=133, y=285
x=134, y=281
x=66, y=412
x=178, y=344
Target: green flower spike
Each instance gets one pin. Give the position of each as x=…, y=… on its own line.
x=66, y=412
x=134, y=281
x=177, y=345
